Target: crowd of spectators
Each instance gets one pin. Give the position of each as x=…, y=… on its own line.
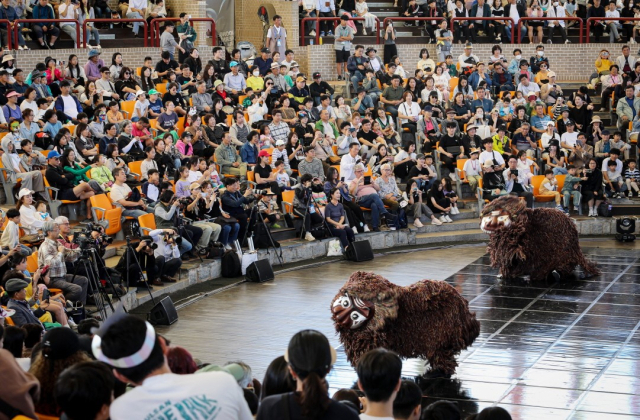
x=125, y=370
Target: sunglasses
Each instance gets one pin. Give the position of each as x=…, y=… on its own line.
x=126, y=72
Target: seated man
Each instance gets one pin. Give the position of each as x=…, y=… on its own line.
x=16, y=290
x=122, y=196
x=233, y=202
x=379, y=378
x=43, y=10
x=230, y=162
x=53, y=254
x=366, y=194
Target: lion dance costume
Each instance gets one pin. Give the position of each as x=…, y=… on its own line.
x=532, y=242
x=428, y=319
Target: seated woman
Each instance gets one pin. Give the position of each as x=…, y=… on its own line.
x=77, y=173
x=355, y=216
x=102, y=175
x=63, y=182
x=555, y=160
x=439, y=203
x=404, y=161
x=31, y=180
x=415, y=206
x=288, y=113
x=126, y=85
x=213, y=210
x=336, y=219
x=31, y=220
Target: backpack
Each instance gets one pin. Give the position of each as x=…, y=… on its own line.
x=131, y=228
x=42, y=140
x=230, y=264
x=604, y=209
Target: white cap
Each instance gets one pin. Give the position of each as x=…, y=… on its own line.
x=23, y=192
x=280, y=143
x=140, y=92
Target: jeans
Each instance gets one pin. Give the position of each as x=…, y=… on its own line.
x=229, y=233
x=560, y=171
x=567, y=198
x=373, y=202
x=3, y=32
x=102, y=12
x=356, y=77
x=613, y=32
x=310, y=25
x=190, y=235
x=393, y=110
x=74, y=289
x=136, y=25
x=92, y=32
x=133, y=213
x=523, y=32
x=71, y=31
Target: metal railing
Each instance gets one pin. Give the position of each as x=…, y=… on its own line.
x=592, y=20
x=84, y=27
x=335, y=19
x=473, y=19
x=155, y=28
x=37, y=21
x=9, y=33
x=401, y=19
x=579, y=20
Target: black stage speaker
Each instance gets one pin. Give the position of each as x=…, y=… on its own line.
x=164, y=313
x=360, y=251
x=260, y=271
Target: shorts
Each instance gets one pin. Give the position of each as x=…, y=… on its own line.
x=535, y=24
x=342, y=56
x=67, y=195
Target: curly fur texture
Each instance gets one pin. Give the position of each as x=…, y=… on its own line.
x=537, y=242
x=428, y=319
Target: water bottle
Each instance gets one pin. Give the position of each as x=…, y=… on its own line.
x=320, y=41
x=311, y=42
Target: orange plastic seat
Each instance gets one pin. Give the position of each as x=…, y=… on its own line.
x=103, y=209
x=147, y=223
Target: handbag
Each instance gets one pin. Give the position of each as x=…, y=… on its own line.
x=225, y=220
x=32, y=239
x=334, y=249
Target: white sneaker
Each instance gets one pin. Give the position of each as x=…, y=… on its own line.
x=595, y=211
x=632, y=41
x=590, y=212
x=309, y=237
x=453, y=176
x=364, y=31
x=436, y=222
x=576, y=208
x=366, y=228
x=227, y=247
x=417, y=223
x=454, y=210
x=443, y=219
x=567, y=42
x=71, y=322
x=448, y=218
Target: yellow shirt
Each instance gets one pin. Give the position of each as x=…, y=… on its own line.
x=603, y=65
x=46, y=317
x=255, y=83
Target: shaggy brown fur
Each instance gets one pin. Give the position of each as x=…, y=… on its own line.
x=537, y=242
x=428, y=319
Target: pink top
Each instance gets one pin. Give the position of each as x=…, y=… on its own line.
x=57, y=75
x=182, y=146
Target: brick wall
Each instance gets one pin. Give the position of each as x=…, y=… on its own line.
x=572, y=62
x=132, y=57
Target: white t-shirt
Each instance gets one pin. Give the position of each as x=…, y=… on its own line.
x=513, y=14
x=142, y=107
x=485, y=156
x=411, y=111
x=472, y=167
x=605, y=166
x=199, y=396
x=119, y=193
x=194, y=176
x=569, y=138
x=70, y=107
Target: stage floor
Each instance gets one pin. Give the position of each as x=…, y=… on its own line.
x=565, y=350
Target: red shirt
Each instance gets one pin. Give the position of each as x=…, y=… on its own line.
x=139, y=133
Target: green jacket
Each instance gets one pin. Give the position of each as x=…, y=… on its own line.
x=188, y=29
x=79, y=174
x=102, y=175
x=320, y=126
x=569, y=182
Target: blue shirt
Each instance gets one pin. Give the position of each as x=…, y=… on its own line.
x=540, y=122
x=52, y=129
x=630, y=103
x=249, y=153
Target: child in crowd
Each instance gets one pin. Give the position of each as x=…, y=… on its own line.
x=549, y=187
x=52, y=125
x=182, y=186
x=449, y=192
x=518, y=100
x=506, y=110
x=102, y=175
x=282, y=177
x=612, y=180
x=631, y=177
x=11, y=234
x=570, y=189
x=41, y=208
x=471, y=169
x=268, y=206
x=524, y=165
x=280, y=153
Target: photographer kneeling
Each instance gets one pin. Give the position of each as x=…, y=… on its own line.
x=54, y=255
x=304, y=206
x=158, y=254
x=167, y=216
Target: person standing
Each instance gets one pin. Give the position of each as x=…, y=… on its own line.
x=277, y=37
x=342, y=45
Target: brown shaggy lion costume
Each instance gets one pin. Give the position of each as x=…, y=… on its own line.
x=532, y=242
x=428, y=319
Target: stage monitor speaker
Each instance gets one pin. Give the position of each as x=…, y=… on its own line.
x=260, y=271
x=360, y=251
x=164, y=313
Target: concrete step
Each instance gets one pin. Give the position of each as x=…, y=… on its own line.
x=457, y=225
x=467, y=235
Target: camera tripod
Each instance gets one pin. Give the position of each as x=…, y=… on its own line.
x=129, y=252
x=309, y=195
x=179, y=225
x=89, y=262
x=260, y=218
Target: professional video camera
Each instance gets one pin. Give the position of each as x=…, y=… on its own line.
x=84, y=238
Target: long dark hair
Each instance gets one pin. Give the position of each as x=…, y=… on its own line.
x=147, y=82
x=309, y=356
x=277, y=379
x=332, y=175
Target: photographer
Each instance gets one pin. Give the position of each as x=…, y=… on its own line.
x=54, y=255
x=233, y=202
x=167, y=216
x=304, y=206
x=195, y=210
x=515, y=182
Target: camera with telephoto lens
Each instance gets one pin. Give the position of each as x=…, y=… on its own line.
x=172, y=238
x=260, y=192
x=149, y=244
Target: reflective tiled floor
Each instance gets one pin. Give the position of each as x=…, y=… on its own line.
x=556, y=350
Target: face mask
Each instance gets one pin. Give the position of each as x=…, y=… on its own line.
x=555, y=3
x=518, y=57
x=480, y=114
x=256, y=73
x=540, y=53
